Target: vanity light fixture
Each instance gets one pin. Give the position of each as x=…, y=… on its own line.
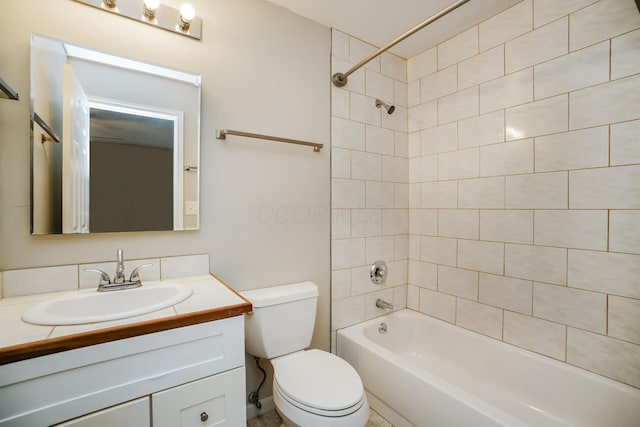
x=152, y=12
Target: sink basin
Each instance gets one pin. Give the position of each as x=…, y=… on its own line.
x=90, y=306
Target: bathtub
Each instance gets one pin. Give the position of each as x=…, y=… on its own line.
x=426, y=372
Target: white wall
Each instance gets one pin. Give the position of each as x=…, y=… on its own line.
x=263, y=70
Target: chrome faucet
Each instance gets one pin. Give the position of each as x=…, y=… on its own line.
x=383, y=304
x=119, y=279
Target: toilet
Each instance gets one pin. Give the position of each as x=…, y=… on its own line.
x=310, y=387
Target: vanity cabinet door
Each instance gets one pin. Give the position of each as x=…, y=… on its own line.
x=217, y=400
x=134, y=413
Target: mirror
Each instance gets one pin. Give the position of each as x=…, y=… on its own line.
x=115, y=142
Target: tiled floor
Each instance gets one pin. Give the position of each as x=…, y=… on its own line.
x=271, y=419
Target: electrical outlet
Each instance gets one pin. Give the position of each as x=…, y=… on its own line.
x=192, y=208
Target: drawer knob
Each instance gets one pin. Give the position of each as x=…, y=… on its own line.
x=204, y=416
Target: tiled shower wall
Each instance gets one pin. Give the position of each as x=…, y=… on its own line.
x=370, y=183
x=524, y=172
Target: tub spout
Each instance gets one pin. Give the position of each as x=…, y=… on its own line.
x=383, y=304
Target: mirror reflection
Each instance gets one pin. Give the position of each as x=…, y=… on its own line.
x=128, y=152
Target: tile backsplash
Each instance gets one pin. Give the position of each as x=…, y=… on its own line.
x=30, y=281
x=523, y=162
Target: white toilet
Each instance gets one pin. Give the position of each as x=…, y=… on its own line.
x=310, y=387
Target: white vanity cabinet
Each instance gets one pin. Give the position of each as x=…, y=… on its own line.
x=166, y=378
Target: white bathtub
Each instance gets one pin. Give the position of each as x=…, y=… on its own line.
x=426, y=372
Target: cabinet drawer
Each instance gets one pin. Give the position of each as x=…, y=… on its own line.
x=134, y=413
x=217, y=400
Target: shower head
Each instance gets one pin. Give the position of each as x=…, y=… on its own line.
x=390, y=108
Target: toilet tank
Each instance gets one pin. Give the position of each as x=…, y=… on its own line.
x=282, y=320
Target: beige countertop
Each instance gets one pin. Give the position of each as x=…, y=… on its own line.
x=211, y=300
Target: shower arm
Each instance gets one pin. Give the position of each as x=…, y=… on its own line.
x=341, y=79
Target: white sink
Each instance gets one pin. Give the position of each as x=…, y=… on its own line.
x=90, y=306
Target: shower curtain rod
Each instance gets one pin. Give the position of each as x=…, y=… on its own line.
x=341, y=79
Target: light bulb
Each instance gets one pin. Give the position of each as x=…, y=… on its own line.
x=187, y=12
x=150, y=8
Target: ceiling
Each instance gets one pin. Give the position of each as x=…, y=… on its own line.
x=380, y=21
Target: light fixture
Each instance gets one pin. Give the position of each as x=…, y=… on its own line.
x=152, y=12
x=149, y=9
x=187, y=13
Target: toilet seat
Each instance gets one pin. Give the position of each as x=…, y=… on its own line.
x=318, y=382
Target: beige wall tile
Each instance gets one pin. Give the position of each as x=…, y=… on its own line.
x=363, y=109
x=600, y=21
x=347, y=134
x=479, y=318
x=457, y=48
x=439, y=139
x=545, y=11
x=481, y=130
x=40, y=280
x=624, y=319
x=401, y=247
x=393, y=66
x=439, y=84
x=481, y=256
x=397, y=273
x=401, y=142
x=378, y=86
x=603, y=355
x=624, y=231
x=400, y=94
x=356, y=80
x=347, y=253
x=413, y=297
x=573, y=307
x=423, y=222
x=587, y=148
x=507, y=25
x=402, y=195
x=612, y=273
x=423, y=116
x=414, y=144
x=359, y=49
x=538, y=191
x=459, y=164
x=506, y=292
x=605, y=188
x=414, y=196
x=442, y=194
x=414, y=246
x=395, y=221
x=339, y=44
x=399, y=297
x=512, y=89
x=510, y=158
x=413, y=93
x=537, y=46
x=347, y=312
x=423, y=169
x=580, y=69
x=187, y=265
x=379, y=140
x=422, y=64
x=538, y=118
x=438, y=250
x=511, y=226
x=339, y=102
x=481, y=68
x=346, y=193
x=625, y=143
x=537, y=335
x=340, y=284
x=459, y=105
x=617, y=101
x=340, y=223
x=396, y=121
x=625, y=55
x=483, y=193
x=438, y=305
x=366, y=222
x=380, y=194
x=458, y=282
x=366, y=165
x=395, y=169
x=340, y=163
x=580, y=229
x=536, y=263
x=459, y=223
x=423, y=274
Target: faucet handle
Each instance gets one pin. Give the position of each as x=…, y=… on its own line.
x=135, y=275
x=104, y=277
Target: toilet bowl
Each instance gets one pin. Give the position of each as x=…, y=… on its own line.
x=310, y=387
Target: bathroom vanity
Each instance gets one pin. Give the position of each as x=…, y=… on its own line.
x=183, y=365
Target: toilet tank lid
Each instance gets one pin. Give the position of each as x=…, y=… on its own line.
x=281, y=294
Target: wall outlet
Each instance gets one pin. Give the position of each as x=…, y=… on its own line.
x=191, y=208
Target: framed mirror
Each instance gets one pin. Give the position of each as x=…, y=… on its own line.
x=115, y=142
